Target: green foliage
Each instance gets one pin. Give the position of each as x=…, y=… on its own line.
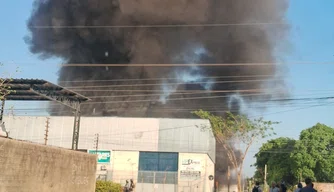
x=276, y=154
x=314, y=153
x=4, y=87
x=108, y=186
x=237, y=127
x=310, y=156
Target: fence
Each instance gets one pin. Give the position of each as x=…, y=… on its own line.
x=164, y=177
x=157, y=181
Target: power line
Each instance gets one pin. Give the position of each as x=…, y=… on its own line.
x=198, y=125
x=153, y=26
x=312, y=106
x=187, y=65
x=161, y=91
x=168, y=78
x=191, y=93
x=148, y=95
x=310, y=100
x=287, y=149
x=178, y=83
x=179, y=110
x=207, y=97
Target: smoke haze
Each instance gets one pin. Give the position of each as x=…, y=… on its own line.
x=159, y=45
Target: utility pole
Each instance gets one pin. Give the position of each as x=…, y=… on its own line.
x=265, y=177
x=228, y=179
x=47, y=131
x=96, y=142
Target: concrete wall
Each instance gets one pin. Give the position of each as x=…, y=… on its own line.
x=36, y=168
x=324, y=187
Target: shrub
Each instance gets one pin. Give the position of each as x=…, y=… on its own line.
x=108, y=186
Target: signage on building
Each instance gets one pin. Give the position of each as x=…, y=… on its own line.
x=103, y=156
x=191, y=165
x=190, y=169
x=190, y=174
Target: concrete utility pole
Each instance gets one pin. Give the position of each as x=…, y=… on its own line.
x=47, y=131
x=265, y=177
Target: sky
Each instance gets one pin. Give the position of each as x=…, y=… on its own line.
x=311, y=37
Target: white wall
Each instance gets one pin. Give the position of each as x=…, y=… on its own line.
x=199, y=183
x=115, y=133
x=210, y=170
x=125, y=166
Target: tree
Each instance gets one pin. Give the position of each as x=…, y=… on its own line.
x=4, y=88
x=314, y=153
x=236, y=127
x=276, y=154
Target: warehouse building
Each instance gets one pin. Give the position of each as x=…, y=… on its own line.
x=158, y=154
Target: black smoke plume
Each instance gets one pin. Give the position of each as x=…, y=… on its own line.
x=104, y=44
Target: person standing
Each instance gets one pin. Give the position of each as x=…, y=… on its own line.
x=299, y=187
x=308, y=187
x=283, y=187
x=257, y=187
x=273, y=187
x=132, y=185
x=313, y=187
x=127, y=186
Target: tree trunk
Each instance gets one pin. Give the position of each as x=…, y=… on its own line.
x=239, y=182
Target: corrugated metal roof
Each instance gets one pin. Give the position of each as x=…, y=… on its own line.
x=23, y=89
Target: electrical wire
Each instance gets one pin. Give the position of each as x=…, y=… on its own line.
x=167, y=78
x=191, y=93
x=161, y=91
x=207, y=97
x=166, y=84
x=188, y=65
x=306, y=101
x=153, y=26
x=200, y=125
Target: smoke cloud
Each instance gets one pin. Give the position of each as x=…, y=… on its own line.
x=159, y=45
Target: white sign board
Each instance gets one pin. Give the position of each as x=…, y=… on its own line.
x=191, y=165
x=190, y=169
x=104, y=156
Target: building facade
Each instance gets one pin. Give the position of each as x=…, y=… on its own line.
x=172, y=155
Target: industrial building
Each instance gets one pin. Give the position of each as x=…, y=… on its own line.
x=171, y=155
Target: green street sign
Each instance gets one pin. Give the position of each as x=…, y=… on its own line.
x=102, y=156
